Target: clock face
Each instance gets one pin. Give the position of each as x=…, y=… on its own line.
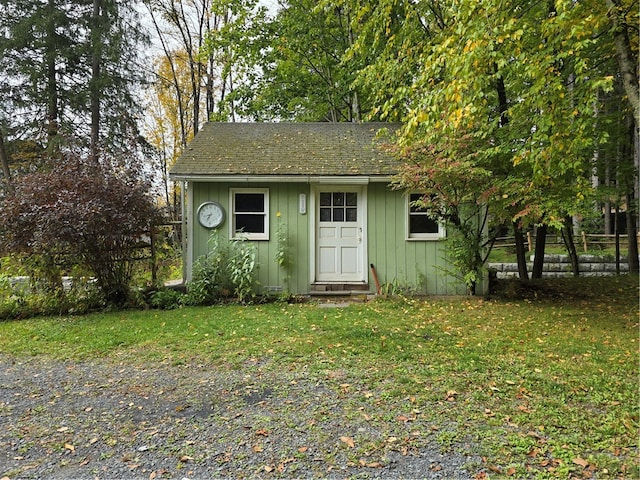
x=210, y=214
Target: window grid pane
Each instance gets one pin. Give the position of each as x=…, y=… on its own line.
x=325, y=199
x=338, y=206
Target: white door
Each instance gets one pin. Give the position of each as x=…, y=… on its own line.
x=339, y=234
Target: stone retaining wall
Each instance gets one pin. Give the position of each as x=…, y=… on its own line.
x=560, y=266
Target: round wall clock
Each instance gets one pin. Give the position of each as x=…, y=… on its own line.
x=210, y=214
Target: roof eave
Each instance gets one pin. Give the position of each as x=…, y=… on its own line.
x=333, y=179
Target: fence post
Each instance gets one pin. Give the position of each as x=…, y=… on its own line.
x=584, y=242
x=154, y=267
x=529, y=241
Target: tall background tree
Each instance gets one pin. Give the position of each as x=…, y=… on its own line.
x=202, y=66
x=305, y=73
x=69, y=72
x=523, y=79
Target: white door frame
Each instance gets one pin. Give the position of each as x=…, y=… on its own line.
x=361, y=188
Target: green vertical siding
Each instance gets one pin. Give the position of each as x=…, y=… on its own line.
x=414, y=263
x=418, y=264
x=283, y=198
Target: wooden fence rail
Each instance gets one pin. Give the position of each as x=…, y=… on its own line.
x=583, y=242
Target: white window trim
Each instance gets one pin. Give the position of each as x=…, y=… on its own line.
x=232, y=210
x=420, y=237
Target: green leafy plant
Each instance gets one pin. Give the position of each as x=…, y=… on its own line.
x=242, y=268
x=229, y=268
x=166, y=299
x=398, y=288
x=210, y=281
x=283, y=250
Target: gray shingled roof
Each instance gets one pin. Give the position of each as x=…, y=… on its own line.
x=221, y=149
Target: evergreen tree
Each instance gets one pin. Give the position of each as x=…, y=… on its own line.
x=65, y=62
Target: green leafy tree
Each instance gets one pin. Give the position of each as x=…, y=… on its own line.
x=522, y=79
x=306, y=76
x=235, y=46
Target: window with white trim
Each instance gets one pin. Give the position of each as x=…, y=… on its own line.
x=250, y=213
x=420, y=225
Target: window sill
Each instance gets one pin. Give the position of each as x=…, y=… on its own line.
x=430, y=238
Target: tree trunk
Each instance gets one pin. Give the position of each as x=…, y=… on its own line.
x=632, y=231
x=538, y=259
x=4, y=160
x=617, y=242
x=567, y=238
x=96, y=62
x=521, y=252
x=626, y=58
x=53, y=112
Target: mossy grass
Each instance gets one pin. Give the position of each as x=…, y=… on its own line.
x=543, y=387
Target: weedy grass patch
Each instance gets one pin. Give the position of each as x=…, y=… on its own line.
x=543, y=387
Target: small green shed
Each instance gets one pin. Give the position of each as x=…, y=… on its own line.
x=326, y=188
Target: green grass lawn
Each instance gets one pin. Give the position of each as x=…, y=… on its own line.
x=544, y=387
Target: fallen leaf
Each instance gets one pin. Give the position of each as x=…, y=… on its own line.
x=402, y=418
x=257, y=448
x=495, y=469
x=69, y=447
x=581, y=461
x=523, y=409
x=262, y=432
x=302, y=449
x=534, y=452
x=451, y=396
x=63, y=429
x=152, y=476
x=269, y=468
x=348, y=441
x=85, y=461
x=511, y=472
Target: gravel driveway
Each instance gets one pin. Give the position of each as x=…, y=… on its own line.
x=125, y=421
